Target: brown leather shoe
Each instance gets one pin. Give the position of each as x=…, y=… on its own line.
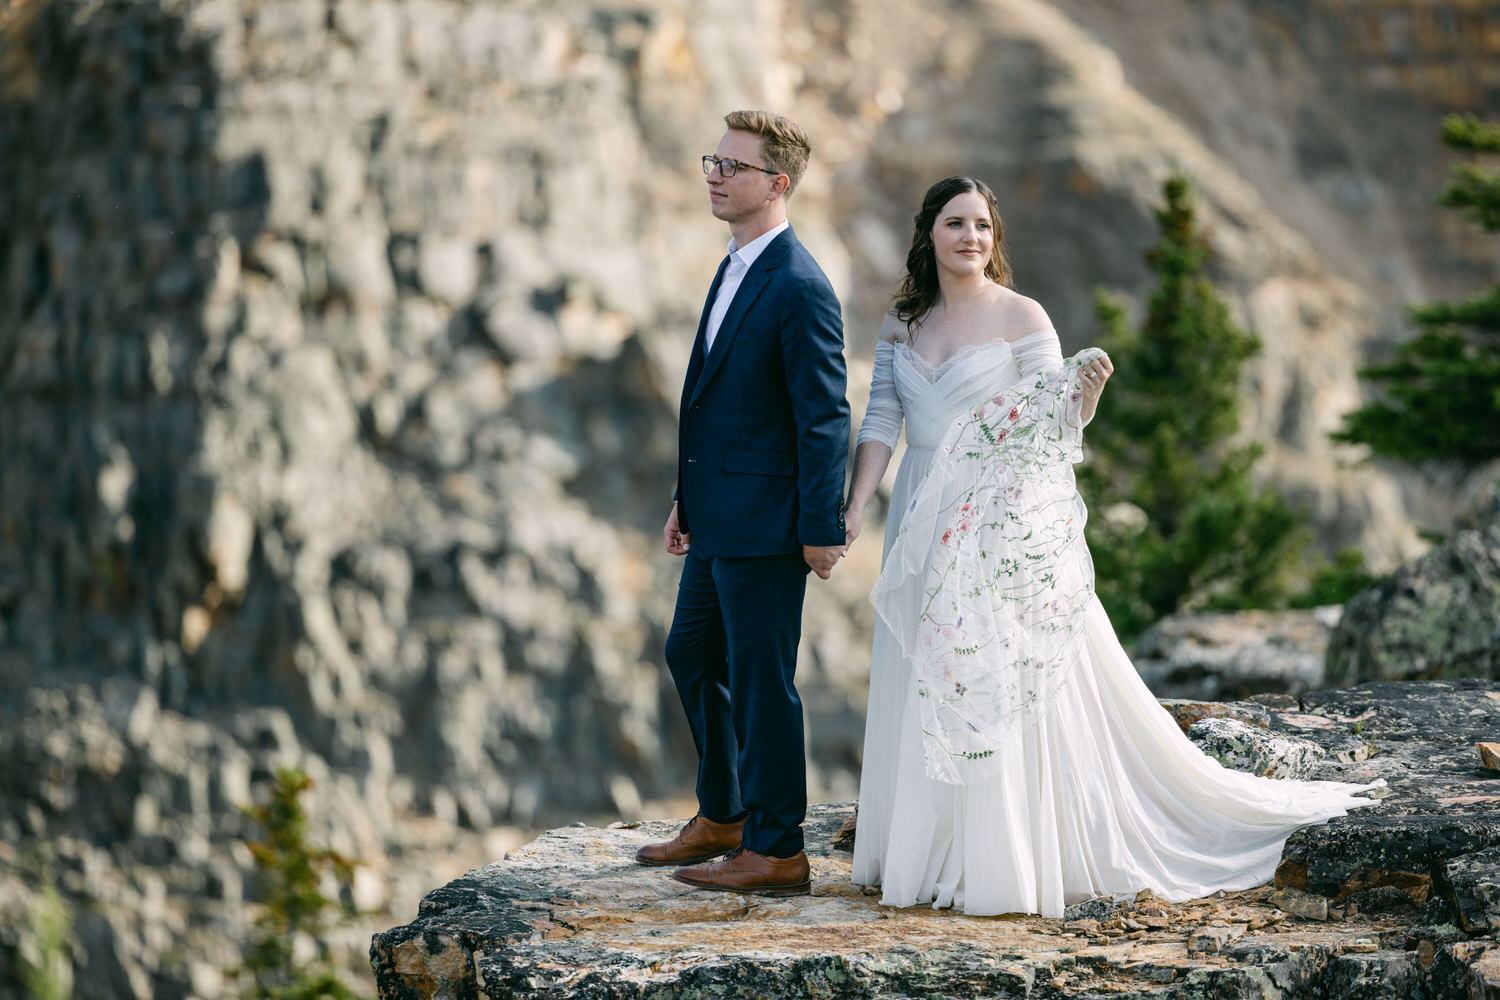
x=746, y=871
x=700, y=840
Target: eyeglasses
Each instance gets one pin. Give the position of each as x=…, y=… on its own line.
x=728, y=168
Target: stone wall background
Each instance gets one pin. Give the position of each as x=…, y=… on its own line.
x=340, y=345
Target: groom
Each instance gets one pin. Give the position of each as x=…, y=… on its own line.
x=763, y=438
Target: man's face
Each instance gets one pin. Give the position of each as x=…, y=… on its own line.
x=741, y=196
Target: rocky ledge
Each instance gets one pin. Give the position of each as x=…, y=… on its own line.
x=1397, y=900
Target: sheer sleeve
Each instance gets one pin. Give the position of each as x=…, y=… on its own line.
x=1038, y=352
x=883, y=417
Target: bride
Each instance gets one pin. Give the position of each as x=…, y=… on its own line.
x=1013, y=759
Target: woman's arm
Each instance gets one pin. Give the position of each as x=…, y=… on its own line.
x=1042, y=351
x=870, y=462
x=878, y=432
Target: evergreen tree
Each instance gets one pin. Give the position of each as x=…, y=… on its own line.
x=294, y=905
x=1176, y=520
x=1440, y=396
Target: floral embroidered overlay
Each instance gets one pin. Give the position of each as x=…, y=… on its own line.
x=986, y=584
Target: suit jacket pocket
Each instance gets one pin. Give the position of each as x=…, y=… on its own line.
x=759, y=463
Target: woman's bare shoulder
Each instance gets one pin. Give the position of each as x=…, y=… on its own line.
x=893, y=328
x=1017, y=316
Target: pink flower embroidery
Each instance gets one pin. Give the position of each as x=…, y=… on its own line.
x=1015, y=412
x=1001, y=435
x=947, y=535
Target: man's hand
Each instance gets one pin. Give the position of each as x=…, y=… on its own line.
x=822, y=558
x=678, y=541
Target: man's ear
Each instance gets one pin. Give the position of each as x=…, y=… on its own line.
x=781, y=184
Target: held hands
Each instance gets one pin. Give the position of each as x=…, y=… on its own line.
x=678, y=542
x=822, y=558
x=1091, y=377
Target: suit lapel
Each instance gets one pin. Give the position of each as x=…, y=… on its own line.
x=755, y=281
x=695, y=360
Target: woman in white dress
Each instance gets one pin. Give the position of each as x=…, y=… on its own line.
x=1013, y=759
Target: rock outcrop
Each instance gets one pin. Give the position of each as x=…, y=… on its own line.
x=1393, y=901
x=1233, y=655
x=1248, y=748
x=1436, y=617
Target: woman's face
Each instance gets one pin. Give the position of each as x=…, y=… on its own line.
x=962, y=236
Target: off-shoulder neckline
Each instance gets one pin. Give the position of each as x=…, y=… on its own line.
x=965, y=351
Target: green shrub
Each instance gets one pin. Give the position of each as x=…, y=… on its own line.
x=48, y=975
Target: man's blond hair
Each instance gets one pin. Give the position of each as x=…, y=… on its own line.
x=783, y=142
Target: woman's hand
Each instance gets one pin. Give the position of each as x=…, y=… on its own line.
x=1091, y=377
x=853, y=519
x=870, y=461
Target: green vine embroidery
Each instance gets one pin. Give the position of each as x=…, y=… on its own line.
x=988, y=579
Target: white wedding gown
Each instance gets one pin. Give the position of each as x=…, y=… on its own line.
x=1101, y=794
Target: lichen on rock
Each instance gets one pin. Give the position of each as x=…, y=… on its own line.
x=1254, y=750
x=1436, y=617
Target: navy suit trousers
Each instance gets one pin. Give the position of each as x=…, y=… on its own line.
x=732, y=652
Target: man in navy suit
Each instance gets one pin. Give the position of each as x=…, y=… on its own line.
x=762, y=444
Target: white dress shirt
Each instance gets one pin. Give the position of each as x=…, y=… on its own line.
x=740, y=259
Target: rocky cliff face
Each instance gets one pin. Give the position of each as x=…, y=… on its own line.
x=339, y=350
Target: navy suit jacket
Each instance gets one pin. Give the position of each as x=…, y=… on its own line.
x=763, y=434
